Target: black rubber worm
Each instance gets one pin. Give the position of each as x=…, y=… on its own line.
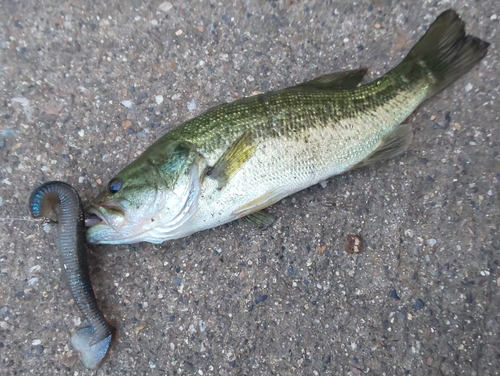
x=93, y=341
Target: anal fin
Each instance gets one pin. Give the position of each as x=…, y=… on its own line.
x=232, y=159
x=393, y=144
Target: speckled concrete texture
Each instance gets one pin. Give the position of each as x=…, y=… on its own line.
x=87, y=86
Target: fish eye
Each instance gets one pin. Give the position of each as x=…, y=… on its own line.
x=115, y=185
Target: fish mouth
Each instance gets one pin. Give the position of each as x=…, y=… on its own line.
x=108, y=214
x=92, y=219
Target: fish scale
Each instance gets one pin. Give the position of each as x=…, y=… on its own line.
x=314, y=133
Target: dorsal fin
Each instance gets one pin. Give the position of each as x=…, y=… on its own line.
x=335, y=81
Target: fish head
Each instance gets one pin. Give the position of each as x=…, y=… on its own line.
x=149, y=200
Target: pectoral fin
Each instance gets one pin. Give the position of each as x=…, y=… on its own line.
x=391, y=145
x=261, y=219
x=232, y=159
x=335, y=81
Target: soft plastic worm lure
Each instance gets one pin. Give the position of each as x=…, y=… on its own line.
x=94, y=340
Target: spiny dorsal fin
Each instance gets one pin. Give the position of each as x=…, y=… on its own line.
x=335, y=81
x=232, y=159
x=391, y=145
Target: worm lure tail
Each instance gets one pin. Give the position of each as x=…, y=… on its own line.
x=59, y=198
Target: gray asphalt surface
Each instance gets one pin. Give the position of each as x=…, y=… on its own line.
x=423, y=297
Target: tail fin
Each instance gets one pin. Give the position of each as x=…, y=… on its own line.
x=446, y=51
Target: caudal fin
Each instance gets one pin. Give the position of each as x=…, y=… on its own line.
x=446, y=51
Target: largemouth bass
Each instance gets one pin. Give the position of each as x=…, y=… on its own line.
x=238, y=158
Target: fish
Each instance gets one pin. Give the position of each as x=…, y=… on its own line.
x=94, y=340
x=238, y=158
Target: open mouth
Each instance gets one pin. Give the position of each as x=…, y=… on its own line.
x=110, y=214
x=92, y=219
